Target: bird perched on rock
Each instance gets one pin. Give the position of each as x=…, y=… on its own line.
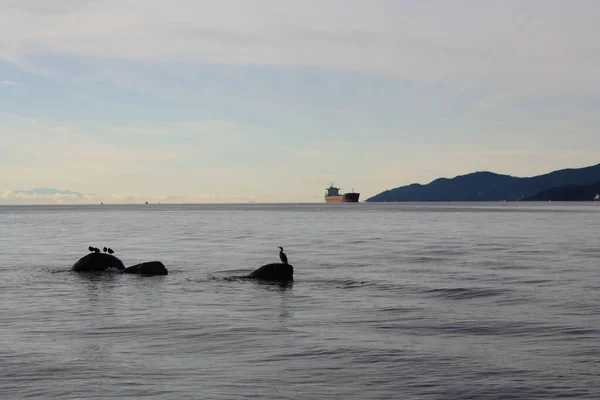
x=104, y=249
x=97, y=250
x=110, y=251
x=282, y=256
x=91, y=248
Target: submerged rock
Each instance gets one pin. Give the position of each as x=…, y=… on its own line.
x=95, y=262
x=274, y=272
x=147, y=268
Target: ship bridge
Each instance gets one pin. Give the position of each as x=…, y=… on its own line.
x=333, y=191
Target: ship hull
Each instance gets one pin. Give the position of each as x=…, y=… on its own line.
x=344, y=198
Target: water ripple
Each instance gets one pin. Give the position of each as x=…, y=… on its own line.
x=389, y=301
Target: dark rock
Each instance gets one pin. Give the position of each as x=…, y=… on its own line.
x=95, y=262
x=274, y=272
x=147, y=268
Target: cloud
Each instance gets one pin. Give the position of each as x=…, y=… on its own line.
x=43, y=7
x=10, y=83
x=536, y=44
x=110, y=136
x=138, y=131
x=46, y=196
x=53, y=196
x=217, y=128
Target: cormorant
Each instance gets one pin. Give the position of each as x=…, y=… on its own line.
x=282, y=256
x=97, y=250
x=110, y=251
x=104, y=249
x=91, y=248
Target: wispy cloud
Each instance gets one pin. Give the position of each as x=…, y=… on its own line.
x=43, y=7
x=10, y=83
x=32, y=197
x=465, y=41
x=138, y=131
x=217, y=128
x=46, y=196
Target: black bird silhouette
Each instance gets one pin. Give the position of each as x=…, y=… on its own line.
x=97, y=250
x=90, y=248
x=110, y=251
x=104, y=249
x=282, y=256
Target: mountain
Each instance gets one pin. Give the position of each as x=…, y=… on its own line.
x=488, y=186
x=48, y=191
x=567, y=193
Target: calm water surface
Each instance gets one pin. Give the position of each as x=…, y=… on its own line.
x=389, y=301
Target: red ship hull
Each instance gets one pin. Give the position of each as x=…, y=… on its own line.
x=344, y=198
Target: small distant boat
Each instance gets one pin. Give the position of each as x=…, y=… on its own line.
x=596, y=197
x=333, y=196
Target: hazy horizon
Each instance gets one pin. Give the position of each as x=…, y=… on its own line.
x=234, y=101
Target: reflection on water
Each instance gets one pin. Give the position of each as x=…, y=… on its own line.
x=279, y=286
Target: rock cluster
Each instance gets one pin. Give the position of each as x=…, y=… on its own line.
x=103, y=262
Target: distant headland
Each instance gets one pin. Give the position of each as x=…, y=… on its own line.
x=571, y=184
x=568, y=193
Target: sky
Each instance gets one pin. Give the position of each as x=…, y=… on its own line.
x=273, y=100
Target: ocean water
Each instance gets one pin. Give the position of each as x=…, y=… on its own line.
x=389, y=301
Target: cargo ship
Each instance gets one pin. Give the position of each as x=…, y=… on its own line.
x=333, y=196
